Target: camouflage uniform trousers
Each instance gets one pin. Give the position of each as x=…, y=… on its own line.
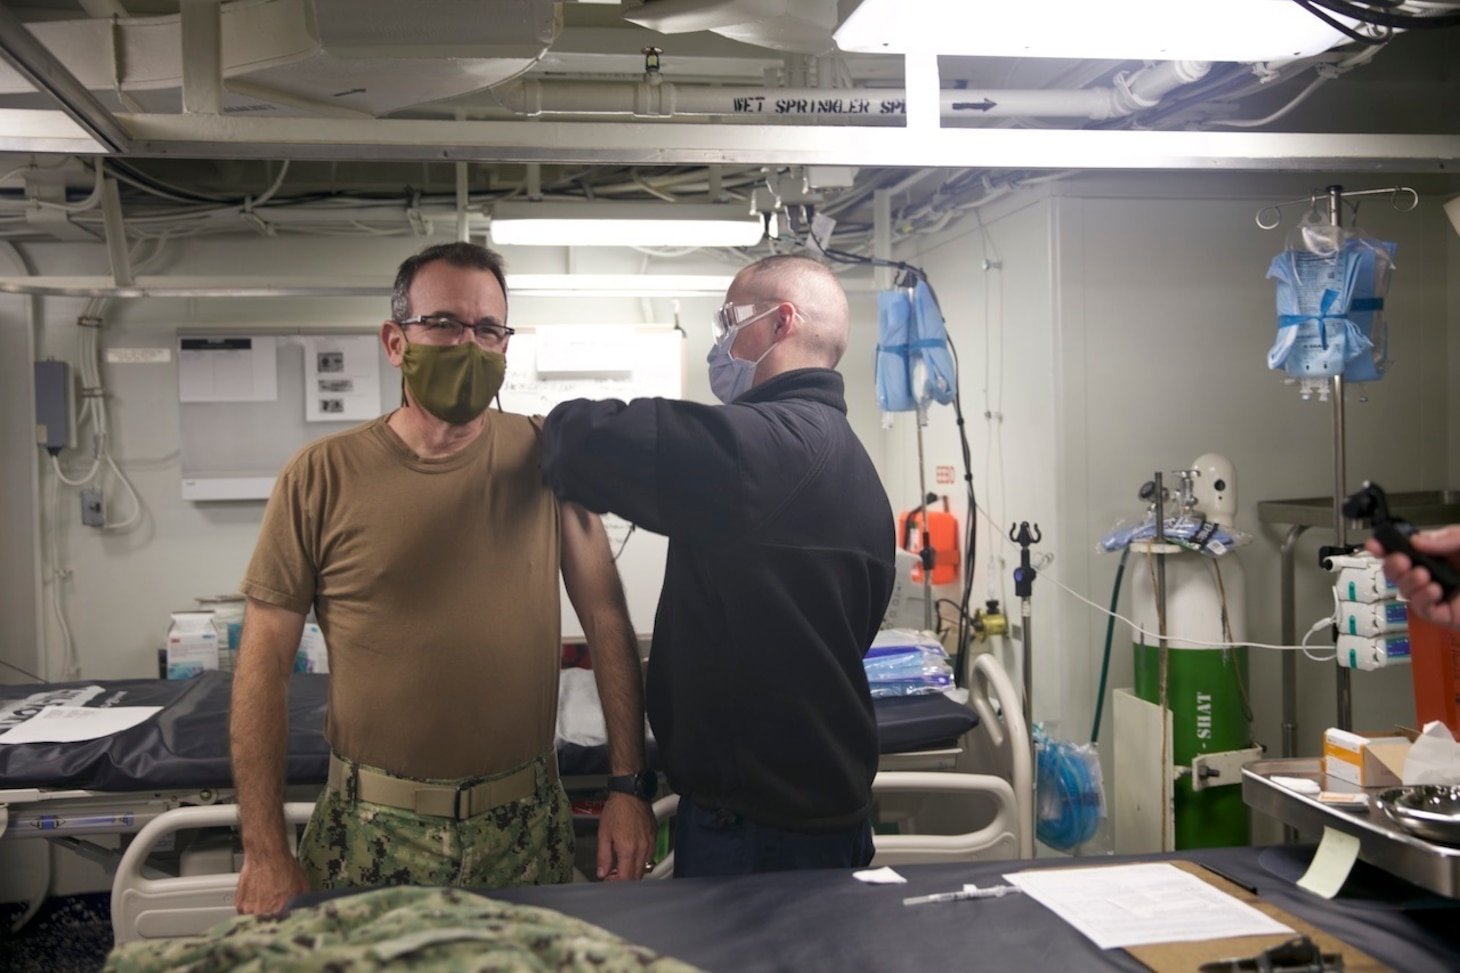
x=354, y=843
x=421, y=930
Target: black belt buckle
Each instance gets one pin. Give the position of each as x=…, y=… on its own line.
x=462, y=790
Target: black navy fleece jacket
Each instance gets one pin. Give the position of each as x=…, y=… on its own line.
x=779, y=571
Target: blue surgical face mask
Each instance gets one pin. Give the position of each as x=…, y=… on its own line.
x=730, y=377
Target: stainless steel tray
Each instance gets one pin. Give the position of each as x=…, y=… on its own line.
x=1382, y=842
x=1424, y=508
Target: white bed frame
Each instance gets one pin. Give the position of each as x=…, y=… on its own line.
x=989, y=778
x=146, y=907
x=159, y=908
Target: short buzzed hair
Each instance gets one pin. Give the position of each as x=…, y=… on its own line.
x=793, y=263
x=468, y=256
x=810, y=284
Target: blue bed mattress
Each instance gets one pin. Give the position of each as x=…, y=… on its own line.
x=186, y=745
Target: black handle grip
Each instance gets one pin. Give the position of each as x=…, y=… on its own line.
x=1394, y=535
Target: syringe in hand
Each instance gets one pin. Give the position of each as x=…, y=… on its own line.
x=968, y=892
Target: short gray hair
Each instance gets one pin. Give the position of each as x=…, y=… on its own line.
x=468, y=256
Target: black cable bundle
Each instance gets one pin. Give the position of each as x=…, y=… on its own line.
x=1389, y=14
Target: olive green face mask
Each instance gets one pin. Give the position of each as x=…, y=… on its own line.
x=455, y=383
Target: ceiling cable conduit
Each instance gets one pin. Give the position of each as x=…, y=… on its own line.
x=1130, y=93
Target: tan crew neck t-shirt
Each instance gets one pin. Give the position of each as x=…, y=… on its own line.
x=435, y=583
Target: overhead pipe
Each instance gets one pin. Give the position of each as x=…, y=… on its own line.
x=1130, y=93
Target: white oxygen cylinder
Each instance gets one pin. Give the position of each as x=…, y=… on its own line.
x=1205, y=681
x=1194, y=592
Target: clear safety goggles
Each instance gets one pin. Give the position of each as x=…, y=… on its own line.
x=730, y=318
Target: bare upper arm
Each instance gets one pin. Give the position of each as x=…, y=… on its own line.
x=585, y=551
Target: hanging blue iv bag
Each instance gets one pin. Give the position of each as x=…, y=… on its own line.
x=1330, y=311
x=1366, y=308
x=910, y=329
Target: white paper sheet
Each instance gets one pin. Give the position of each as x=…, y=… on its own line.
x=16, y=711
x=69, y=724
x=1331, y=864
x=879, y=876
x=1134, y=905
x=227, y=368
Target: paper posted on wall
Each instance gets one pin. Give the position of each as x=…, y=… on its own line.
x=227, y=368
x=341, y=378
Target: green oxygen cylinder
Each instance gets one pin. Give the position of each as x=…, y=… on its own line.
x=1205, y=682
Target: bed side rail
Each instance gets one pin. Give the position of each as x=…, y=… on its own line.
x=158, y=908
x=1000, y=711
x=998, y=839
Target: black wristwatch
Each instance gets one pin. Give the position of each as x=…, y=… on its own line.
x=643, y=785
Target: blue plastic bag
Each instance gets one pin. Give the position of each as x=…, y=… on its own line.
x=911, y=329
x=1330, y=309
x=905, y=663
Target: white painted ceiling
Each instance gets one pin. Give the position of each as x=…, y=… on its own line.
x=462, y=66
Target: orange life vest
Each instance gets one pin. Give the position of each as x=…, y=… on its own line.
x=942, y=537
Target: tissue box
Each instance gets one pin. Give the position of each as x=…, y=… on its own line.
x=192, y=644
x=1366, y=759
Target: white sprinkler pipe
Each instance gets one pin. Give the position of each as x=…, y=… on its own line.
x=1129, y=94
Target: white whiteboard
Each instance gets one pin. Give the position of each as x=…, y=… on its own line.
x=602, y=363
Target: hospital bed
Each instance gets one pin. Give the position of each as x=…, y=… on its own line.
x=824, y=920
x=165, y=782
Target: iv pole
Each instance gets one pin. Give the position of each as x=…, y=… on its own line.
x=1024, y=576
x=1335, y=196
x=925, y=552
x=1345, y=699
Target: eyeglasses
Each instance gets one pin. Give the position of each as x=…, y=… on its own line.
x=730, y=318
x=486, y=333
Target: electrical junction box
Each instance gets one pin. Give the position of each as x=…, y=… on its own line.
x=830, y=177
x=92, y=512
x=54, y=420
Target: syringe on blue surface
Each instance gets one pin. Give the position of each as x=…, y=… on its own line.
x=968, y=892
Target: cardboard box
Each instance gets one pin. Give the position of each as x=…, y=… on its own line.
x=1366, y=759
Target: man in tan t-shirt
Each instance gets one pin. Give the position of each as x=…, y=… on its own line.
x=430, y=550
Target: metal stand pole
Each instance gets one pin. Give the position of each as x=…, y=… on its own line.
x=1163, y=661
x=1290, y=659
x=1024, y=576
x=925, y=553
x=1290, y=637
x=1340, y=489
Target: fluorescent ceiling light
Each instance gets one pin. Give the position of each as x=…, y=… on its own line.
x=38, y=130
x=610, y=224
x=1157, y=30
x=617, y=285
